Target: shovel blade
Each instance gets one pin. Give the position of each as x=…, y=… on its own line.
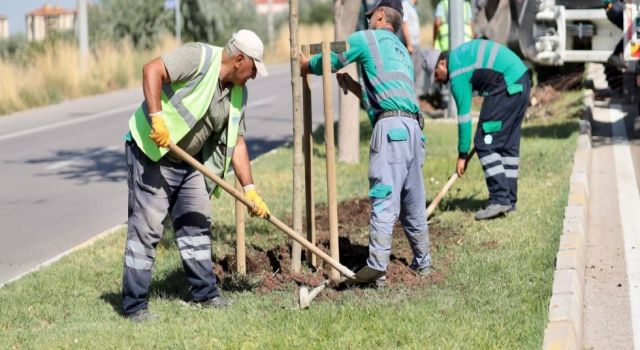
x=368, y=274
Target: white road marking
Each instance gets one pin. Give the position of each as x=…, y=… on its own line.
x=68, y=122
x=68, y=162
x=629, y=203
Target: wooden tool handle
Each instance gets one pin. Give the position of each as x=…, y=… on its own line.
x=448, y=185
x=272, y=219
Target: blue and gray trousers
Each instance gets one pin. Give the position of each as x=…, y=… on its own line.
x=497, y=141
x=155, y=190
x=397, y=191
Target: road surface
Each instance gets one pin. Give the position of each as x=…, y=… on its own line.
x=63, y=173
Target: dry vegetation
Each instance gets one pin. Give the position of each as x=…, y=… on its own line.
x=54, y=74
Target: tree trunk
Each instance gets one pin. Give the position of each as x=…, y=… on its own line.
x=345, y=20
x=296, y=248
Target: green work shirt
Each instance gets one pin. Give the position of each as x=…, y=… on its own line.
x=483, y=66
x=385, y=67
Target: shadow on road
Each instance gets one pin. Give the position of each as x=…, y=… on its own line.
x=100, y=164
x=602, y=132
x=86, y=166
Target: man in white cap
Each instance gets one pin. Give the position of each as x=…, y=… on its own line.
x=195, y=97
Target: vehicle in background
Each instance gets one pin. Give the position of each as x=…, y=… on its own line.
x=557, y=37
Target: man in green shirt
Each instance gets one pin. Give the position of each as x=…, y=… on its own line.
x=396, y=186
x=496, y=73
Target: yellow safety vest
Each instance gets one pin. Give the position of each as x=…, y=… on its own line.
x=442, y=41
x=184, y=103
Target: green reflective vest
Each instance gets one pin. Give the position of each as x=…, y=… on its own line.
x=442, y=40
x=183, y=104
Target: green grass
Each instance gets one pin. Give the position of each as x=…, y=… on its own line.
x=495, y=292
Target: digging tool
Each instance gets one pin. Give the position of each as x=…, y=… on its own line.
x=305, y=296
x=364, y=275
x=448, y=185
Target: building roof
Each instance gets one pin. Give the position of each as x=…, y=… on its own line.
x=49, y=10
x=275, y=2
x=2, y=17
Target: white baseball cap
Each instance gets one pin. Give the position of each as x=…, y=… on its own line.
x=430, y=61
x=251, y=45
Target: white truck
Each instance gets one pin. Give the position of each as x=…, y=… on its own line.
x=556, y=36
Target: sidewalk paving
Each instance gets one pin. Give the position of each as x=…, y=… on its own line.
x=595, y=302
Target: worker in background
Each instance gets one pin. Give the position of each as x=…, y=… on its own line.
x=496, y=73
x=396, y=187
x=615, y=13
x=411, y=38
x=195, y=96
x=441, y=25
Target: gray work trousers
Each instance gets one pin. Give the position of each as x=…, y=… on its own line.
x=397, y=190
x=155, y=190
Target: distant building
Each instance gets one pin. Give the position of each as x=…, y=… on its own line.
x=278, y=6
x=4, y=27
x=47, y=19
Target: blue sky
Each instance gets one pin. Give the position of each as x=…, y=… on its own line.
x=15, y=10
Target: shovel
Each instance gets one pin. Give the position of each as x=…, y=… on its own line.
x=364, y=275
x=448, y=185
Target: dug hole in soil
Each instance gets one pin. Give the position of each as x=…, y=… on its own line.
x=270, y=270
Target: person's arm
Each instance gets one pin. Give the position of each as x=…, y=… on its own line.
x=357, y=47
x=240, y=162
x=461, y=91
x=154, y=74
x=407, y=37
x=436, y=28
x=346, y=82
x=242, y=168
x=437, y=21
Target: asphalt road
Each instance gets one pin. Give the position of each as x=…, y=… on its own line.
x=63, y=173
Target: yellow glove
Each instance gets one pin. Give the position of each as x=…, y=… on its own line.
x=260, y=208
x=159, y=132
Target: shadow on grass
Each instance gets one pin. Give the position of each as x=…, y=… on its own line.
x=560, y=130
x=466, y=204
x=113, y=299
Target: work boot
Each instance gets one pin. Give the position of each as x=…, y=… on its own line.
x=422, y=271
x=492, y=211
x=217, y=302
x=142, y=316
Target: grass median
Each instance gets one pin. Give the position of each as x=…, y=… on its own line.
x=492, y=288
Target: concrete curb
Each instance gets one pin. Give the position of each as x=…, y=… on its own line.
x=82, y=245
x=564, y=329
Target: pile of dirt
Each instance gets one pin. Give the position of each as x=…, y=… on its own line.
x=271, y=268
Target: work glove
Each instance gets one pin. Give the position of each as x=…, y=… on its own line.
x=260, y=208
x=159, y=132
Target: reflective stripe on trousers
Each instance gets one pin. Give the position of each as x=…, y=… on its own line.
x=155, y=190
x=499, y=152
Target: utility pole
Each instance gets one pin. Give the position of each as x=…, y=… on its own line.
x=270, y=23
x=83, y=34
x=178, y=22
x=456, y=37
